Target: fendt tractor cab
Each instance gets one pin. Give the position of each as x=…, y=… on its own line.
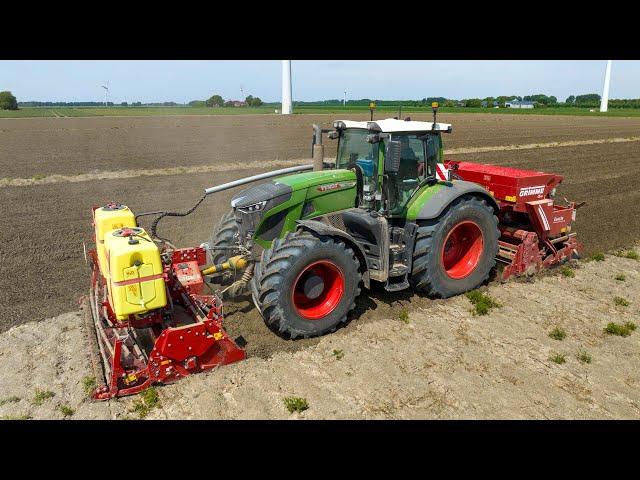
x=381, y=213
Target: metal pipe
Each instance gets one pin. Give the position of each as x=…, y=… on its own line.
x=255, y=178
x=318, y=157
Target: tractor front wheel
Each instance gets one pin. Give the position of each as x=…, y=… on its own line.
x=306, y=284
x=455, y=252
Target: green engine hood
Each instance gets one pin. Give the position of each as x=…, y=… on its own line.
x=305, y=180
x=285, y=200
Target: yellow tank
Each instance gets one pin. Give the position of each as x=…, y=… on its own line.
x=110, y=217
x=134, y=272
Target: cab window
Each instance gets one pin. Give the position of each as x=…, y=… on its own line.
x=353, y=149
x=411, y=172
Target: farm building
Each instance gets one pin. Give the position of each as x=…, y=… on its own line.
x=235, y=103
x=518, y=104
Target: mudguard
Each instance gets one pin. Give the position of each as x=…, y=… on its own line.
x=448, y=192
x=323, y=229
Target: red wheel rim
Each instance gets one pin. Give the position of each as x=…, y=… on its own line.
x=462, y=249
x=318, y=290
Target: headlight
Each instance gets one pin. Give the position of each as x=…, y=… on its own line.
x=253, y=208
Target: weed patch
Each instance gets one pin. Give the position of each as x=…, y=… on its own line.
x=89, y=384
x=42, y=395
x=66, y=410
x=296, y=404
x=621, y=302
x=558, y=334
x=623, y=330
x=24, y=416
x=481, y=302
x=583, y=357
x=631, y=254
x=567, y=272
x=149, y=399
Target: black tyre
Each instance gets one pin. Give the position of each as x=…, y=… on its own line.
x=456, y=252
x=257, y=275
x=306, y=284
x=223, y=236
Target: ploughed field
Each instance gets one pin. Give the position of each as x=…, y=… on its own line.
x=44, y=224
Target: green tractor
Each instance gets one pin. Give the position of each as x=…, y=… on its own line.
x=381, y=213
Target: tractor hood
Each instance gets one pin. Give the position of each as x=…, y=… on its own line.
x=261, y=193
x=283, y=187
x=313, y=179
x=263, y=212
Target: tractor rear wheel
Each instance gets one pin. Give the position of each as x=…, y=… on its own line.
x=222, y=238
x=306, y=284
x=455, y=252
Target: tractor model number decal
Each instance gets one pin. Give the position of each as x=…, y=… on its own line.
x=335, y=186
x=528, y=191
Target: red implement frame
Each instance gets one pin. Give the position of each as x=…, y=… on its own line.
x=167, y=344
x=535, y=232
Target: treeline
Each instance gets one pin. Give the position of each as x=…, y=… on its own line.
x=625, y=103
x=366, y=101
x=218, y=101
x=589, y=100
x=99, y=104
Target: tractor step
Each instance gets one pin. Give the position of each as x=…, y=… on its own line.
x=398, y=269
x=399, y=281
x=394, y=287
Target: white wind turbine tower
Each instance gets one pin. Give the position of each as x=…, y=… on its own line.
x=286, y=87
x=604, y=103
x=106, y=93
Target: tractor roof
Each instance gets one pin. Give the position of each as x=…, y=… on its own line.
x=391, y=125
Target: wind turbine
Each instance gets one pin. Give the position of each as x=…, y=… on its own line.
x=241, y=94
x=604, y=103
x=106, y=93
x=344, y=100
x=286, y=87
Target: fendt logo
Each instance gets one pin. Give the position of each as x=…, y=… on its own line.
x=335, y=186
x=528, y=191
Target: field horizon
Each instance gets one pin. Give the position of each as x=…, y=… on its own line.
x=120, y=111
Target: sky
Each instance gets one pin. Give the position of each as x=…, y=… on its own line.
x=183, y=81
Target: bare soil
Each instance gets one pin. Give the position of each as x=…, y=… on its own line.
x=443, y=363
x=45, y=223
x=72, y=146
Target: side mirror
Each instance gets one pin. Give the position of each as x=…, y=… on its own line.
x=392, y=156
x=333, y=135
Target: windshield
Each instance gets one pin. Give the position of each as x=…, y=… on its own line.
x=353, y=148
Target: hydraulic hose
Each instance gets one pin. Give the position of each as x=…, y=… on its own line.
x=154, y=225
